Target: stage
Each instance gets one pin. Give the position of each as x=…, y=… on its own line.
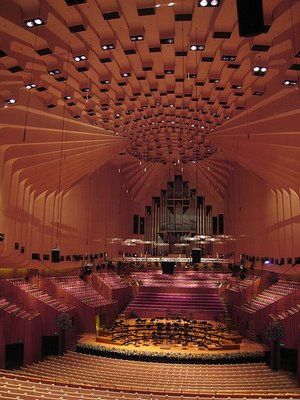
x=171, y=338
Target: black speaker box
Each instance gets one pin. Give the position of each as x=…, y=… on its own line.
x=55, y=255
x=250, y=17
x=196, y=255
x=167, y=267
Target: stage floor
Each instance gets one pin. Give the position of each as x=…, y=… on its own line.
x=245, y=347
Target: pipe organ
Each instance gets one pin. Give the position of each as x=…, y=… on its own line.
x=177, y=213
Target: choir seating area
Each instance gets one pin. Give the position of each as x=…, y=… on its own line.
x=188, y=279
x=270, y=295
x=108, y=373
x=199, y=306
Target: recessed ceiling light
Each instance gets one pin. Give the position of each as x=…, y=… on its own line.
x=80, y=58
x=54, y=72
x=136, y=38
x=259, y=70
x=288, y=82
x=30, y=86
x=31, y=23
x=109, y=46
x=125, y=74
x=209, y=3
x=10, y=101
x=197, y=47
x=171, y=4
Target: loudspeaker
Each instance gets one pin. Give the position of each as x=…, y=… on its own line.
x=55, y=255
x=135, y=224
x=167, y=267
x=215, y=225
x=250, y=17
x=196, y=255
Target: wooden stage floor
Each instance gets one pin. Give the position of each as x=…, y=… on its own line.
x=245, y=347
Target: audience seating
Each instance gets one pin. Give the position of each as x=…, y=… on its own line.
x=81, y=290
x=13, y=310
x=16, y=387
x=82, y=369
x=287, y=313
x=44, y=297
x=270, y=295
x=239, y=284
x=112, y=280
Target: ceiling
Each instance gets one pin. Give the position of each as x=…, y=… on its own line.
x=194, y=110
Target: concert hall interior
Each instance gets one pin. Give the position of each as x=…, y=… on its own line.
x=149, y=199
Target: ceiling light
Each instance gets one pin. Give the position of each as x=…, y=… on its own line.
x=105, y=82
x=135, y=38
x=288, y=82
x=209, y=3
x=10, y=101
x=54, y=72
x=67, y=97
x=227, y=117
x=157, y=5
x=228, y=58
x=30, y=86
x=259, y=70
x=110, y=46
x=80, y=58
x=31, y=23
x=167, y=41
x=198, y=47
x=171, y=4
x=125, y=74
x=236, y=86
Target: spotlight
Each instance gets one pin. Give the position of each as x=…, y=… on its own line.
x=105, y=82
x=259, y=70
x=125, y=74
x=136, y=38
x=80, y=58
x=227, y=117
x=197, y=47
x=67, y=97
x=110, y=46
x=31, y=23
x=171, y=4
x=288, y=82
x=30, y=86
x=54, y=72
x=169, y=71
x=209, y=3
x=215, y=80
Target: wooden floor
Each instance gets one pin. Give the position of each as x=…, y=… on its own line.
x=105, y=341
